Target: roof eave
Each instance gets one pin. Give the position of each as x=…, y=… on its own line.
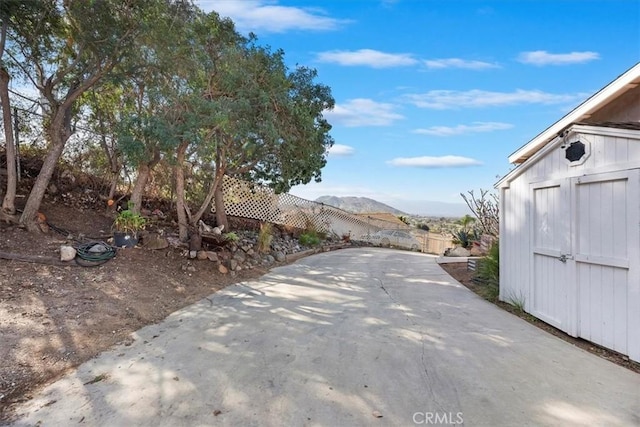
x=587, y=129
x=626, y=81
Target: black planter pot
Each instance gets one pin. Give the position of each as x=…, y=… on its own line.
x=124, y=240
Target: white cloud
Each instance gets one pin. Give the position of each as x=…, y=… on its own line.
x=542, y=57
x=362, y=112
x=367, y=57
x=448, y=99
x=475, y=127
x=428, y=162
x=339, y=150
x=458, y=63
x=267, y=16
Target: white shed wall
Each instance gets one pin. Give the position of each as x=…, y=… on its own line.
x=607, y=153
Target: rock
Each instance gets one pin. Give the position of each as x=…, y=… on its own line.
x=269, y=259
x=279, y=256
x=153, y=241
x=201, y=255
x=175, y=242
x=212, y=256
x=193, y=254
x=239, y=256
x=476, y=250
x=459, y=252
x=233, y=264
x=67, y=253
x=191, y=268
x=204, y=228
x=222, y=269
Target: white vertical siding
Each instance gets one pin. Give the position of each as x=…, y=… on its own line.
x=514, y=244
x=605, y=299
x=602, y=305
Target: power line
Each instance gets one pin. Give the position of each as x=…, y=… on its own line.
x=43, y=116
x=24, y=96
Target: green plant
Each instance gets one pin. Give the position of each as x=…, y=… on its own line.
x=465, y=238
x=517, y=301
x=265, y=235
x=230, y=236
x=129, y=221
x=488, y=273
x=309, y=238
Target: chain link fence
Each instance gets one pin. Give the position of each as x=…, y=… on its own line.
x=249, y=200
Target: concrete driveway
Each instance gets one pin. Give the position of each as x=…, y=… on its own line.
x=357, y=337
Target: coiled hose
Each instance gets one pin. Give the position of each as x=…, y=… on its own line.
x=90, y=254
x=94, y=253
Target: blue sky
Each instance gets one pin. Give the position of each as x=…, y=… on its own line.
x=433, y=96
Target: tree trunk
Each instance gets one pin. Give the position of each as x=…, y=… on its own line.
x=113, y=187
x=144, y=172
x=28, y=218
x=221, y=214
x=112, y=155
x=217, y=182
x=8, y=203
x=183, y=228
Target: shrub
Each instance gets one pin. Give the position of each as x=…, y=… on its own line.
x=488, y=273
x=128, y=221
x=465, y=238
x=231, y=236
x=309, y=238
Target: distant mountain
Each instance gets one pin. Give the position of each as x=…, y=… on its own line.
x=358, y=204
x=426, y=208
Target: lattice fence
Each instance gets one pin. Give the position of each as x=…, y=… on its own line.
x=248, y=200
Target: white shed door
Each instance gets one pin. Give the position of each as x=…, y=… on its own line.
x=586, y=257
x=551, y=240
x=605, y=238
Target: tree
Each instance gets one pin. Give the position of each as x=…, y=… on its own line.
x=159, y=125
x=64, y=50
x=11, y=13
x=466, y=222
x=269, y=126
x=107, y=108
x=486, y=209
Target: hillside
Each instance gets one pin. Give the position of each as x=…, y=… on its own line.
x=358, y=204
x=416, y=208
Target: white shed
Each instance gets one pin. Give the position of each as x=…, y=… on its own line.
x=570, y=221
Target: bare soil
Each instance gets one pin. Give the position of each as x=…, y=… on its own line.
x=462, y=274
x=54, y=317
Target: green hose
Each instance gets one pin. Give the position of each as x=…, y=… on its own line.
x=94, y=253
